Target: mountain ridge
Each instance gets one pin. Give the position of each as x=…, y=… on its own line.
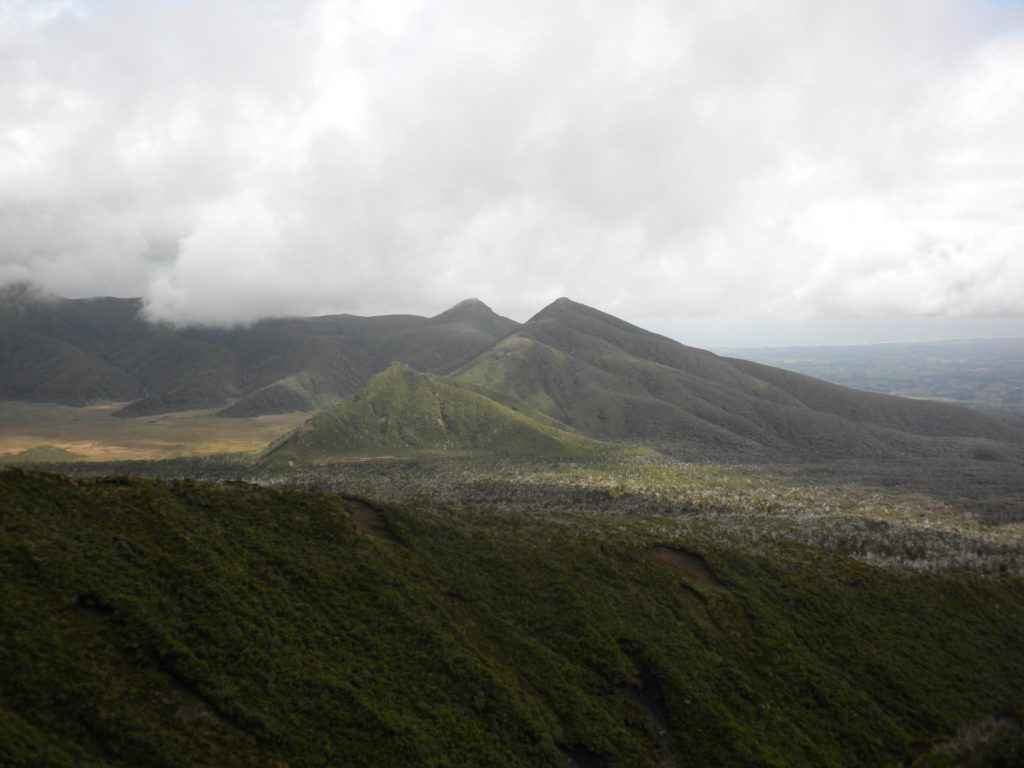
x=80, y=351
x=596, y=374
x=614, y=381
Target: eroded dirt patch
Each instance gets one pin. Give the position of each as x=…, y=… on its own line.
x=690, y=564
x=369, y=521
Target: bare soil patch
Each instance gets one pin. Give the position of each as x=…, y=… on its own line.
x=369, y=521
x=690, y=564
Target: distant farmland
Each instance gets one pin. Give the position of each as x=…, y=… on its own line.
x=985, y=373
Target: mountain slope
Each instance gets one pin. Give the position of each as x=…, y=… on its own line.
x=233, y=625
x=79, y=351
x=401, y=411
x=612, y=380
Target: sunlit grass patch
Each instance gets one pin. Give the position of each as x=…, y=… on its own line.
x=92, y=433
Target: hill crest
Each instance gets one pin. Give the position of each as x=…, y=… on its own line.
x=614, y=381
x=402, y=411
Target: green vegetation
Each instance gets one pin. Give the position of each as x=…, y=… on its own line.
x=438, y=571
x=183, y=623
x=402, y=412
x=753, y=509
x=591, y=372
x=297, y=392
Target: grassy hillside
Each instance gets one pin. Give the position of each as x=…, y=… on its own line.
x=181, y=624
x=402, y=411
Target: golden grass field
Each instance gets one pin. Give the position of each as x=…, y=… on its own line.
x=93, y=433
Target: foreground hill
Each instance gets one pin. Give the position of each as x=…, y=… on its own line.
x=237, y=625
x=401, y=411
x=79, y=351
x=613, y=381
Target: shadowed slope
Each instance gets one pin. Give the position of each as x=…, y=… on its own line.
x=80, y=351
x=612, y=380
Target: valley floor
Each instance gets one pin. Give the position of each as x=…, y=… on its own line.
x=49, y=432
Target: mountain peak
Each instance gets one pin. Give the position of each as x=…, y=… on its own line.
x=472, y=302
x=475, y=313
x=565, y=307
x=466, y=308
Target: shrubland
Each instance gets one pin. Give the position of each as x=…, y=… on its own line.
x=506, y=613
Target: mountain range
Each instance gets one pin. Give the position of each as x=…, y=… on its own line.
x=569, y=373
x=79, y=351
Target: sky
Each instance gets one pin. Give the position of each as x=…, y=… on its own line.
x=726, y=172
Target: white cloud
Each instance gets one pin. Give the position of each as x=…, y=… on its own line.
x=230, y=160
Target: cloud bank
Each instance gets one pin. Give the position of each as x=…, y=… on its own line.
x=235, y=159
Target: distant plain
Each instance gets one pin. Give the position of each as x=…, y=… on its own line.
x=987, y=374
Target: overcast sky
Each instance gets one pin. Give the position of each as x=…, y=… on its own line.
x=724, y=171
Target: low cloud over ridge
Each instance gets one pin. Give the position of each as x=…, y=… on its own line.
x=230, y=160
